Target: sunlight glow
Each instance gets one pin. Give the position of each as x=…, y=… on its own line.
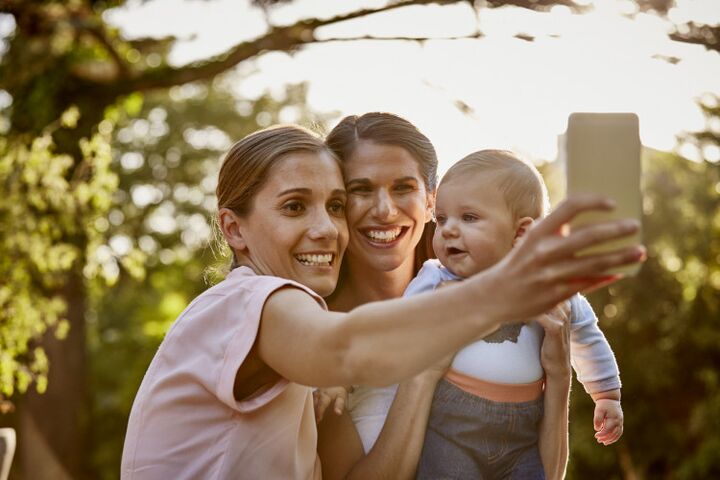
x=515, y=94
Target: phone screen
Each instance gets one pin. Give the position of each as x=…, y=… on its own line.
x=603, y=157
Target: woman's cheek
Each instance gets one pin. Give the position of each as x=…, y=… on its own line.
x=414, y=203
x=343, y=234
x=355, y=207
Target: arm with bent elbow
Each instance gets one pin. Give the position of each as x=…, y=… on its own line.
x=397, y=450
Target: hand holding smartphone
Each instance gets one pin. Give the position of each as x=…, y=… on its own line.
x=603, y=157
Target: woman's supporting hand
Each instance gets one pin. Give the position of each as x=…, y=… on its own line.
x=555, y=359
x=555, y=351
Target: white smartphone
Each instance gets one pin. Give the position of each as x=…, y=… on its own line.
x=603, y=157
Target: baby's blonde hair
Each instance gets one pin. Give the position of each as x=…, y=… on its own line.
x=519, y=181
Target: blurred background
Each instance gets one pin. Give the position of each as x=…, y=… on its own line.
x=114, y=115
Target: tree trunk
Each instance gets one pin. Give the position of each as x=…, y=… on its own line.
x=52, y=435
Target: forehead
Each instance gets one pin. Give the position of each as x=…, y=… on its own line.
x=379, y=162
x=314, y=170
x=472, y=191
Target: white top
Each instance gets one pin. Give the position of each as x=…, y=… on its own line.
x=514, y=356
x=368, y=408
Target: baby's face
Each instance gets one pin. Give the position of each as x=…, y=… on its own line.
x=475, y=228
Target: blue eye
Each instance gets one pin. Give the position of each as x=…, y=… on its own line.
x=469, y=217
x=440, y=219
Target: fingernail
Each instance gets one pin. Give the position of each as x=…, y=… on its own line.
x=630, y=225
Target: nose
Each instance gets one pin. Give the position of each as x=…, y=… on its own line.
x=323, y=227
x=384, y=207
x=448, y=229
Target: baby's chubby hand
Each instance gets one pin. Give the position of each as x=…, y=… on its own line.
x=608, y=420
x=323, y=397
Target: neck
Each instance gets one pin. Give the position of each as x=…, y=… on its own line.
x=361, y=284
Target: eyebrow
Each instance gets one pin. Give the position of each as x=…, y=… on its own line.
x=307, y=191
x=303, y=191
x=397, y=180
x=406, y=179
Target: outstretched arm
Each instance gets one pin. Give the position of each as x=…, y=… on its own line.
x=384, y=342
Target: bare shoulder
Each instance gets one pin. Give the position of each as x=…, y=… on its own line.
x=287, y=301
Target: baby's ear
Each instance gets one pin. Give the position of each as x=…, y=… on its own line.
x=231, y=227
x=522, y=225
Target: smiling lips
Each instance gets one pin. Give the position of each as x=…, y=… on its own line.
x=315, y=259
x=384, y=235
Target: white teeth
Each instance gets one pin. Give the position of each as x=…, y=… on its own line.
x=313, y=260
x=384, y=236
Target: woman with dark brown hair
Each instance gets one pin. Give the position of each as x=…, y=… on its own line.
x=390, y=171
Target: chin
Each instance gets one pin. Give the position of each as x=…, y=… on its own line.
x=321, y=286
x=387, y=264
x=464, y=271
x=390, y=260
x=325, y=289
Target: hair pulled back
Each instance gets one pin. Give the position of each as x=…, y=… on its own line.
x=385, y=129
x=246, y=165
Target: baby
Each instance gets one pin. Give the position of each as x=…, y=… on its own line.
x=486, y=411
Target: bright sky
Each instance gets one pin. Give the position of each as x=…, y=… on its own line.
x=521, y=92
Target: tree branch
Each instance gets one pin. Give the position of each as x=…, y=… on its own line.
x=705, y=35
x=538, y=5
x=100, y=36
x=409, y=39
x=284, y=38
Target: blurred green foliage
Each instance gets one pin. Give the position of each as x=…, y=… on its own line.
x=46, y=202
x=664, y=326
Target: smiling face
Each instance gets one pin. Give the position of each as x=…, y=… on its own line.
x=296, y=227
x=388, y=205
x=475, y=227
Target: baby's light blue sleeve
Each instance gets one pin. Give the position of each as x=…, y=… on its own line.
x=590, y=353
x=429, y=277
